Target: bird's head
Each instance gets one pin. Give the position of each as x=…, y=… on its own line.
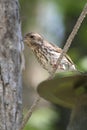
x=33, y=39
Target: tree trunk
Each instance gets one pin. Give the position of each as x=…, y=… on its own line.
x=10, y=62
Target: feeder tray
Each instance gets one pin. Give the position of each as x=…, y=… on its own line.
x=64, y=89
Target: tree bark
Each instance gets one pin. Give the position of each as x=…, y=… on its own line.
x=10, y=62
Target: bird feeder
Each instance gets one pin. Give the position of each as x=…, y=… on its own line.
x=64, y=89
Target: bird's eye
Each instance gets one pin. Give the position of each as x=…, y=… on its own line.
x=32, y=36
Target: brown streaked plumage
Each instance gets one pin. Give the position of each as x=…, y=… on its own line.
x=47, y=53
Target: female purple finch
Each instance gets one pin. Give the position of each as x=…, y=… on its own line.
x=48, y=53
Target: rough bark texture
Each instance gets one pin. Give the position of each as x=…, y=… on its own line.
x=78, y=119
x=10, y=62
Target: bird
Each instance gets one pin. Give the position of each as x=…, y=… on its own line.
x=48, y=53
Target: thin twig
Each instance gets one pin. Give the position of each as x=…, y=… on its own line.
x=71, y=37
x=29, y=113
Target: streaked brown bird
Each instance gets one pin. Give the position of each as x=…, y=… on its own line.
x=48, y=53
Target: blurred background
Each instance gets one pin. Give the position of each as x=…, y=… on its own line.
x=54, y=20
